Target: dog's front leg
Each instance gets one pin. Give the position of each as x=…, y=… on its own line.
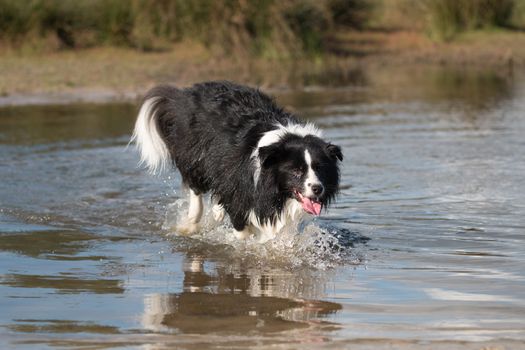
x=190, y=225
x=218, y=212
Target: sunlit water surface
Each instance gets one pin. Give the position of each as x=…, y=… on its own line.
x=426, y=242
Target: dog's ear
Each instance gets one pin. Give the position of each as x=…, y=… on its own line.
x=334, y=152
x=269, y=155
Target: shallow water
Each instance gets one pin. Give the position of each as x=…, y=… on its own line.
x=426, y=243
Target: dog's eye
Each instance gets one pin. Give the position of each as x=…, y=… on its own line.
x=297, y=172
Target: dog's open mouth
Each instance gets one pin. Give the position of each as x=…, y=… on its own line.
x=310, y=205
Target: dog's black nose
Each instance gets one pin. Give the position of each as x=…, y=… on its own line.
x=317, y=189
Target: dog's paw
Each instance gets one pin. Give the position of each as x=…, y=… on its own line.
x=187, y=229
x=242, y=234
x=218, y=212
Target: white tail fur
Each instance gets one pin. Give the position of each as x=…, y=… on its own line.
x=146, y=135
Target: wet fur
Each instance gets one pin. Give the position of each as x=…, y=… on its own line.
x=211, y=131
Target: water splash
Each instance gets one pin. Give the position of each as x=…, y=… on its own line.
x=311, y=244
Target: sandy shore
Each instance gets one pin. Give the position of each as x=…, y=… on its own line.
x=118, y=74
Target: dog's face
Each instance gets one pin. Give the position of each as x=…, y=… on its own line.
x=305, y=169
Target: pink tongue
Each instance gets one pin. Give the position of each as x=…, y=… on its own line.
x=311, y=206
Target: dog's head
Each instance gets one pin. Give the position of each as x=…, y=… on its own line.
x=304, y=168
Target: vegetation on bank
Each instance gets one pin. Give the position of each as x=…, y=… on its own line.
x=260, y=28
x=443, y=20
x=123, y=46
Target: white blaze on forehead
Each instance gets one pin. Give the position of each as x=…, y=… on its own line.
x=311, y=176
x=308, y=158
x=274, y=136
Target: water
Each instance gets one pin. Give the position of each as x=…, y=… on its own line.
x=425, y=246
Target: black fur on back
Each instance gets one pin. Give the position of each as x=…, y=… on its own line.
x=211, y=130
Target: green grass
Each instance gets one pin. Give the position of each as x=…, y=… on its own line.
x=444, y=20
x=447, y=18
x=237, y=28
x=254, y=27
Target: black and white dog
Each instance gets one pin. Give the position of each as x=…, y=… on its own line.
x=262, y=165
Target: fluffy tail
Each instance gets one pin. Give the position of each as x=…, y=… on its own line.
x=147, y=136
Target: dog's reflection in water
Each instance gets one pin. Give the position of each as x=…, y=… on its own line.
x=236, y=302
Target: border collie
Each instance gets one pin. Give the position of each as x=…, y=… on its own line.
x=262, y=165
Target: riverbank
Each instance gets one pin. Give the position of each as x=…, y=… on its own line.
x=110, y=73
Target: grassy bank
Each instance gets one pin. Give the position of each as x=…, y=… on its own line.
x=253, y=28
x=124, y=70
x=262, y=28
x=125, y=46
x=445, y=20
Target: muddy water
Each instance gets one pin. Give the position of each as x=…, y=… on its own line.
x=426, y=245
